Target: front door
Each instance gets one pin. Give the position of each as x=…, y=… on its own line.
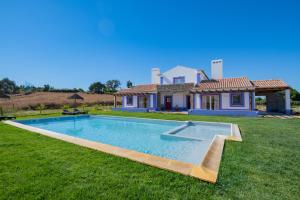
x=168, y=102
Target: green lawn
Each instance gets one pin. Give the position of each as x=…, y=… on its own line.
x=266, y=165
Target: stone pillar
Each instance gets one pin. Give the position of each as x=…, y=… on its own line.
x=253, y=101
x=288, y=101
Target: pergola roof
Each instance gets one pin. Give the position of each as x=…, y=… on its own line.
x=139, y=89
x=270, y=84
x=225, y=84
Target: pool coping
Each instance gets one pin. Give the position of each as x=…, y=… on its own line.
x=206, y=170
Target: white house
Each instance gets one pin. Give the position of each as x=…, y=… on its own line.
x=184, y=88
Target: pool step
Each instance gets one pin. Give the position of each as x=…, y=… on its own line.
x=172, y=132
x=175, y=130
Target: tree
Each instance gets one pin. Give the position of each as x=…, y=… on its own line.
x=129, y=84
x=47, y=88
x=97, y=87
x=260, y=101
x=8, y=86
x=22, y=88
x=112, y=86
x=295, y=95
x=80, y=90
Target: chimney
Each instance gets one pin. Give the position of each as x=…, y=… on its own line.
x=155, y=76
x=217, y=69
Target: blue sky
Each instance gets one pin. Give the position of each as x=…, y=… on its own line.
x=71, y=43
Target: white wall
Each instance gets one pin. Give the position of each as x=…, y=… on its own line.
x=226, y=102
x=151, y=101
x=155, y=76
x=217, y=69
x=202, y=76
x=190, y=74
x=134, y=102
x=197, y=101
x=179, y=100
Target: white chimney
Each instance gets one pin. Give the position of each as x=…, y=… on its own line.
x=155, y=76
x=217, y=69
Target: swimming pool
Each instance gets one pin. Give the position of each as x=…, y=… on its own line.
x=185, y=142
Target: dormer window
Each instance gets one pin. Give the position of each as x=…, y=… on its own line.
x=179, y=80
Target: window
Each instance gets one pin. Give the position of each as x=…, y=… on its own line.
x=178, y=80
x=210, y=102
x=129, y=101
x=237, y=99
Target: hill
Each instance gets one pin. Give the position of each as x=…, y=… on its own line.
x=53, y=100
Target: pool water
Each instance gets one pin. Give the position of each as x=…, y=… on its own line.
x=142, y=135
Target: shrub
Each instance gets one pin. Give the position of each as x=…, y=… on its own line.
x=41, y=107
x=83, y=106
x=66, y=107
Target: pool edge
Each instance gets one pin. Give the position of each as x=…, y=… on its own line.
x=207, y=170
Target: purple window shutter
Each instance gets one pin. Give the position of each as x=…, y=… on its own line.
x=154, y=101
x=123, y=100
x=198, y=78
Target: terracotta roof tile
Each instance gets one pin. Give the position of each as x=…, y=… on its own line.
x=139, y=89
x=226, y=84
x=259, y=84
x=242, y=83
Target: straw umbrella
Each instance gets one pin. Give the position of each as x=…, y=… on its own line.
x=75, y=97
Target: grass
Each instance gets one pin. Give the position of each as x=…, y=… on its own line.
x=264, y=166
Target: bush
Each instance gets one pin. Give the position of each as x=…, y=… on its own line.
x=66, y=107
x=83, y=106
x=41, y=107
x=53, y=106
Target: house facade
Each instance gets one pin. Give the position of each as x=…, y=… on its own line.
x=187, y=89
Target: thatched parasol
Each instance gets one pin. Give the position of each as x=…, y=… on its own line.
x=75, y=97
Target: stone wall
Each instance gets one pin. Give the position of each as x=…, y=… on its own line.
x=175, y=88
